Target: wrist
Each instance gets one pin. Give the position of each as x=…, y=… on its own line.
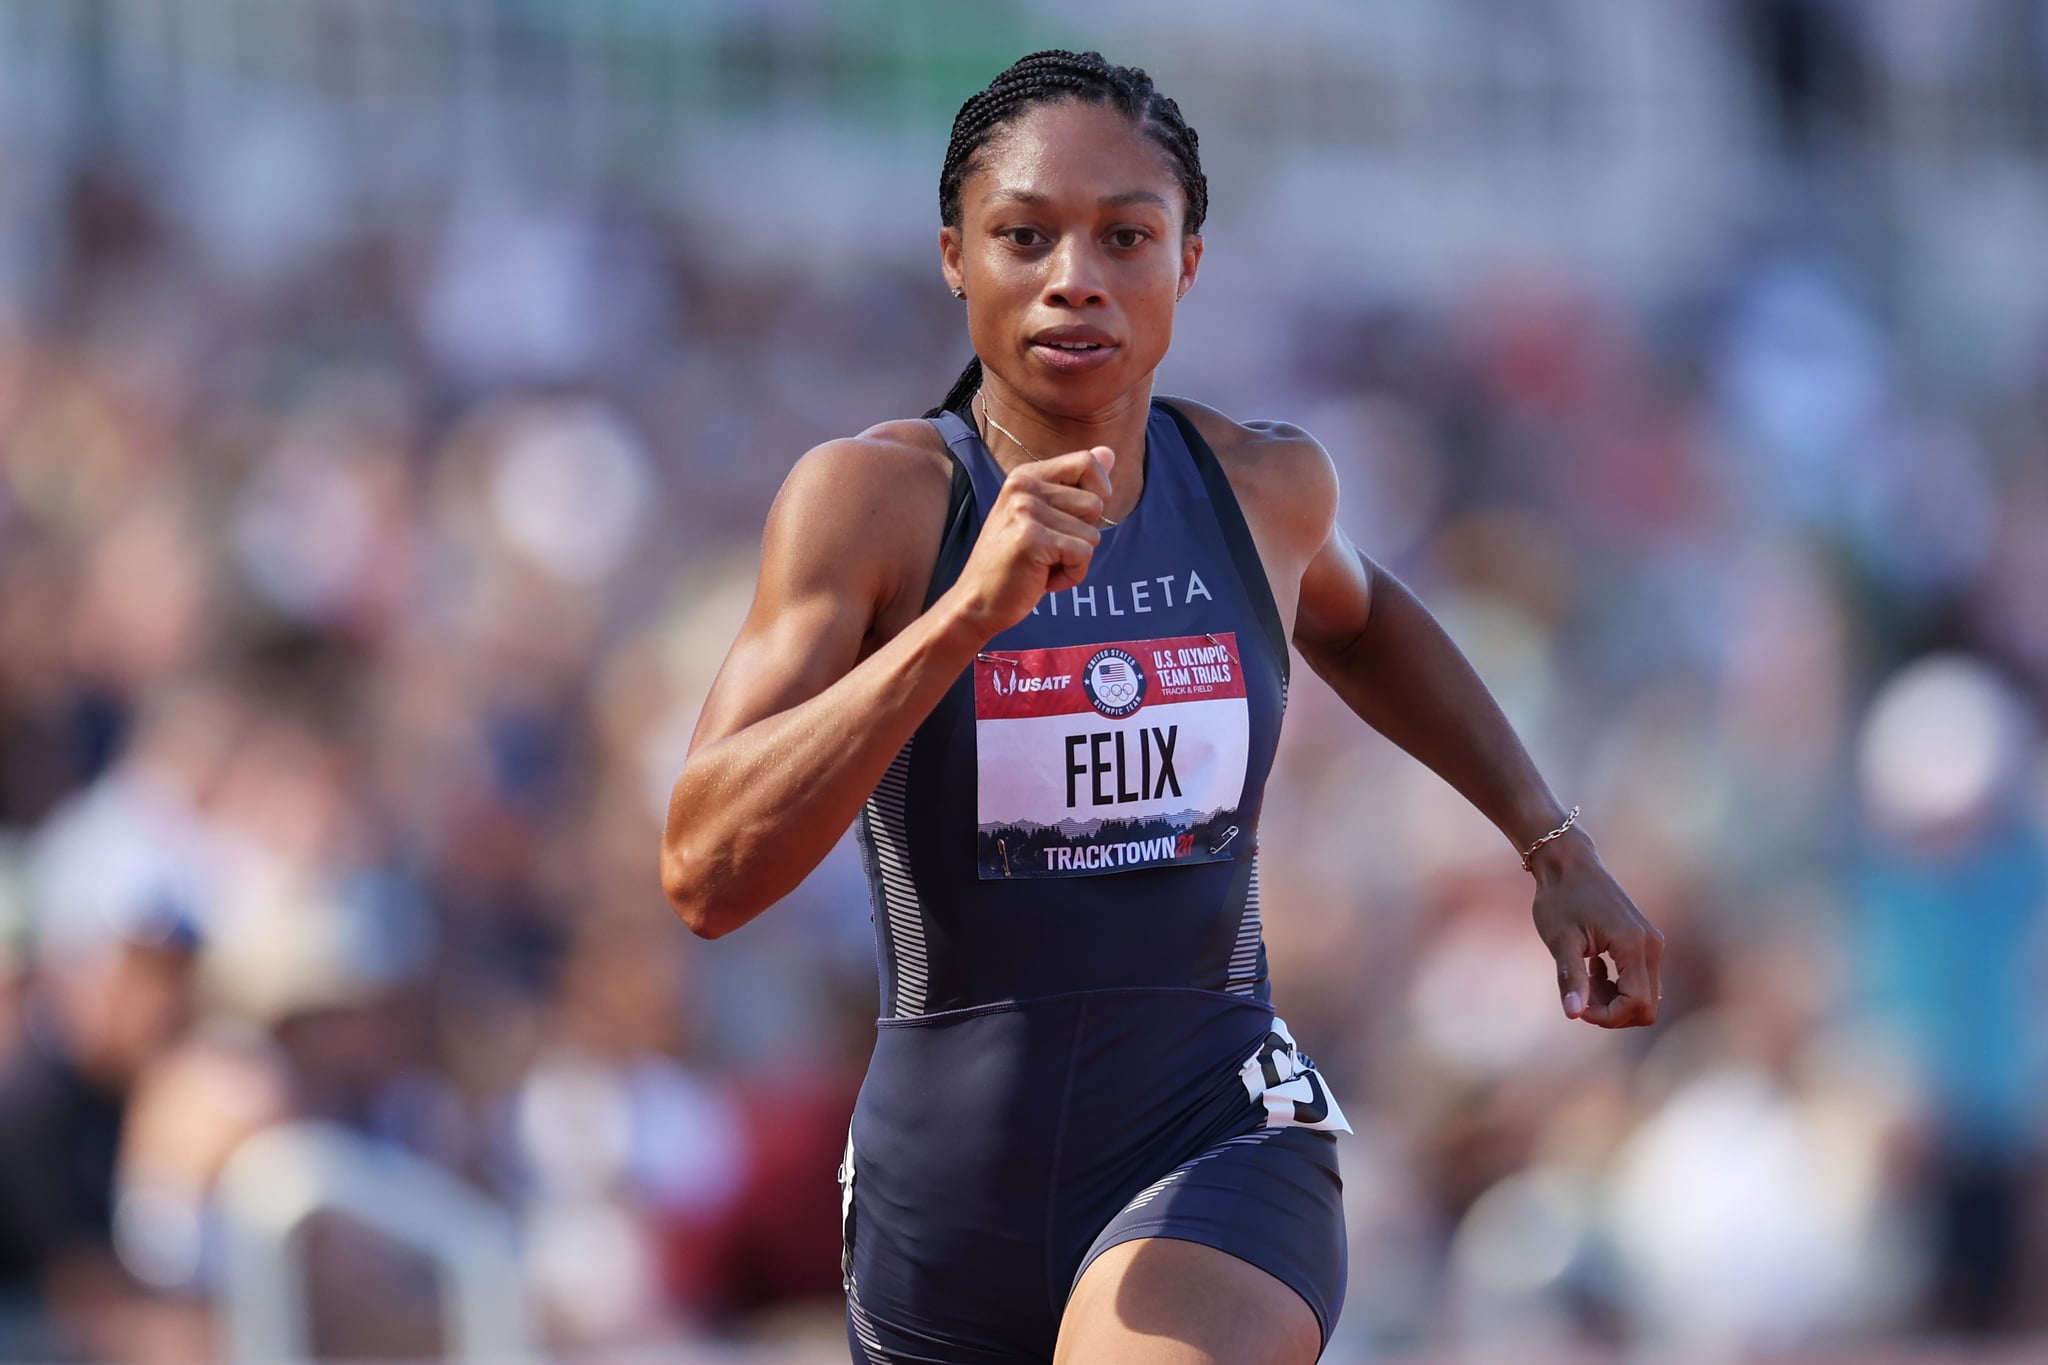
x=962, y=621
x=1570, y=852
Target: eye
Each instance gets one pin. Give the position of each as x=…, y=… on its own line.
x=1021, y=236
x=1128, y=238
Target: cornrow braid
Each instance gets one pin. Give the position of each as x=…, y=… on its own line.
x=1045, y=78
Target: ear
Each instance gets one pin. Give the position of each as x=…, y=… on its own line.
x=1190, y=262
x=949, y=258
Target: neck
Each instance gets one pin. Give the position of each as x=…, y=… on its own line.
x=1031, y=433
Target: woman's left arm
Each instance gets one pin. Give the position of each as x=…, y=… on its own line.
x=1369, y=637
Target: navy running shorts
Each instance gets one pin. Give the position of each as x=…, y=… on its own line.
x=1271, y=1197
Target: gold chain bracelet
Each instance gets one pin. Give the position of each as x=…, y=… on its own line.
x=1530, y=851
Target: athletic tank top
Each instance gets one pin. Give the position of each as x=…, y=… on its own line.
x=1081, y=810
x=1063, y=858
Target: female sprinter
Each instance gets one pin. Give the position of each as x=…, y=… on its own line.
x=1038, y=643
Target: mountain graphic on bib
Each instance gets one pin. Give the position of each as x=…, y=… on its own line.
x=1075, y=828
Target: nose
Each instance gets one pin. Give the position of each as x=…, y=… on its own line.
x=1073, y=275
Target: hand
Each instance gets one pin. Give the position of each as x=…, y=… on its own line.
x=1039, y=537
x=1580, y=913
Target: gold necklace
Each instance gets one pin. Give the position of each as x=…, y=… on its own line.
x=989, y=417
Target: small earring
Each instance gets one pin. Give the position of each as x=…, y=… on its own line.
x=958, y=292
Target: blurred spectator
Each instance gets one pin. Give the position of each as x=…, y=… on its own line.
x=1952, y=886
x=107, y=1001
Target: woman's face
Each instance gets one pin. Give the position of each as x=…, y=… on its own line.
x=1071, y=252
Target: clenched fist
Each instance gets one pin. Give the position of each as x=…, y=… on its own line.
x=1039, y=537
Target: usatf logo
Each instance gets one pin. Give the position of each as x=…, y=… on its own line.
x=1009, y=684
x=1114, y=683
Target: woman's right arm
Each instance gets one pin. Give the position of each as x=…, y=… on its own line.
x=798, y=728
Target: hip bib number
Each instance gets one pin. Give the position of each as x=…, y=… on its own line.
x=1105, y=758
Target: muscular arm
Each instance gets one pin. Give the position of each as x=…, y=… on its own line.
x=799, y=727
x=1364, y=632
x=1371, y=639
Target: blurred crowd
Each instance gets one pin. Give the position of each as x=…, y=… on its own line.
x=355, y=609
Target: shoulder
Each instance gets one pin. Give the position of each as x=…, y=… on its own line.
x=1276, y=467
x=1260, y=448
x=888, y=460
x=860, y=510
x=860, y=482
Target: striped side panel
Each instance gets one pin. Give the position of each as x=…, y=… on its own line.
x=1157, y=1187
x=1247, y=966
x=902, y=915
x=863, y=1325
x=1245, y=953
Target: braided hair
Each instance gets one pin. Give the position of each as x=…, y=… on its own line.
x=1046, y=78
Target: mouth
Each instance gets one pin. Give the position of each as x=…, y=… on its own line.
x=1071, y=350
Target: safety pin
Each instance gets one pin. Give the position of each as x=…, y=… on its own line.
x=1220, y=645
x=984, y=656
x=1228, y=835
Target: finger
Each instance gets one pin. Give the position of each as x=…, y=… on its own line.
x=1632, y=1004
x=1089, y=469
x=1095, y=472
x=1605, y=988
x=1061, y=522
x=1638, y=982
x=1029, y=503
x=1105, y=459
x=1067, y=560
x=1080, y=503
x=1572, y=984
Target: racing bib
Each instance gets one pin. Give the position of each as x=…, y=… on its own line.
x=1104, y=758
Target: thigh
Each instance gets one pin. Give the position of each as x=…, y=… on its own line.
x=1236, y=1254
x=1162, y=1301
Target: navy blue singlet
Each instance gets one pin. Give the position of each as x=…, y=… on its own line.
x=1077, y=1045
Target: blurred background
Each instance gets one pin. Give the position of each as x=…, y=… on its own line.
x=390, y=397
